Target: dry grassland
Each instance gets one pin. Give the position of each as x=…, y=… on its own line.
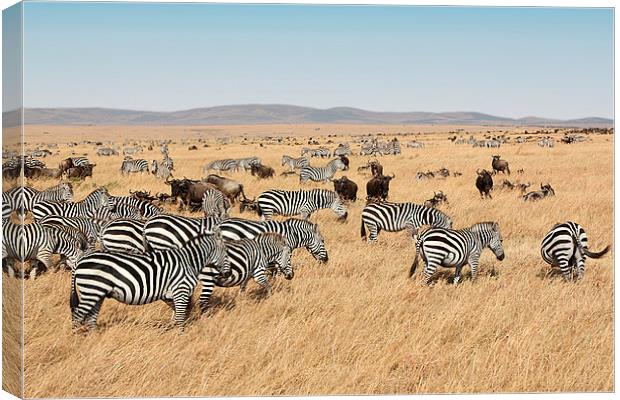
x=356, y=325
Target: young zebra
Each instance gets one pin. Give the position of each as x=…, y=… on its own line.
x=222, y=165
x=215, y=204
x=566, y=246
x=146, y=209
x=248, y=258
x=90, y=227
x=300, y=202
x=124, y=235
x=96, y=200
x=23, y=198
x=321, y=174
x=138, y=279
x=297, y=232
x=167, y=231
x=394, y=217
x=455, y=248
x=130, y=165
x=295, y=163
x=30, y=242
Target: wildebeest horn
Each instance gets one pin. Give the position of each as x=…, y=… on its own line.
x=478, y=171
x=393, y=176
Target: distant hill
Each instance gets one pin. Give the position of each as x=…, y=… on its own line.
x=275, y=114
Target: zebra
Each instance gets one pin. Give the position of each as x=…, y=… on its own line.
x=320, y=152
x=160, y=170
x=146, y=209
x=80, y=161
x=295, y=163
x=96, y=200
x=248, y=258
x=130, y=165
x=6, y=206
x=215, y=204
x=416, y=145
x=343, y=149
x=394, y=217
x=221, y=165
x=297, y=232
x=130, y=151
x=30, y=242
x=90, y=227
x=166, y=231
x=246, y=163
x=300, y=202
x=138, y=279
x=23, y=198
x=321, y=174
x=118, y=211
x=106, y=151
x=455, y=248
x=167, y=162
x=123, y=234
x=566, y=246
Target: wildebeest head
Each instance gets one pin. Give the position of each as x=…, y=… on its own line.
x=548, y=189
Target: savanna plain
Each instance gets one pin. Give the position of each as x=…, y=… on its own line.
x=358, y=324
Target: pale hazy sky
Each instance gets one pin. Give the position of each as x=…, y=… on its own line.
x=512, y=62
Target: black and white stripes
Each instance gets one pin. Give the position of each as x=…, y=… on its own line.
x=301, y=202
x=321, y=174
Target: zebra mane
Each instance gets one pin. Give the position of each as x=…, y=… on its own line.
x=487, y=225
x=271, y=238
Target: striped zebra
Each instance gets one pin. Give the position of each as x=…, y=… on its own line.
x=394, y=217
x=130, y=165
x=320, y=152
x=455, y=248
x=146, y=209
x=300, y=202
x=80, y=161
x=160, y=170
x=215, y=204
x=343, y=149
x=246, y=163
x=138, y=279
x=167, y=162
x=321, y=174
x=297, y=232
x=7, y=209
x=116, y=212
x=90, y=227
x=566, y=246
x=124, y=235
x=96, y=200
x=221, y=165
x=167, y=231
x=130, y=151
x=23, y=198
x=249, y=258
x=37, y=242
x=295, y=163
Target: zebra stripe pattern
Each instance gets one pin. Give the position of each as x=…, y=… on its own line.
x=394, y=217
x=246, y=163
x=90, y=227
x=124, y=235
x=215, y=204
x=222, y=165
x=86, y=208
x=118, y=211
x=455, y=248
x=295, y=163
x=300, y=202
x=248, y=258
x=321, y=174
x=80, y=161
x=173, y=231
x=297, y=233
x=146, y=209
x=131, y=165
x=136, y=279
x=566, y=246
x=320, y=152
x=23, y=198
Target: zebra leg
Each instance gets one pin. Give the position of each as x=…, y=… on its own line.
x=90, y=320
x=44, y=258
x=473, y=264
x=566, y=269
x=260, y=277
x=373, y=232
x=208, y=283
x=457, y=275
x=581, y=263
x=181, y=299
x=429, y=271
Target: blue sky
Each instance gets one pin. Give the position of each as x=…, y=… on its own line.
x=512, y=62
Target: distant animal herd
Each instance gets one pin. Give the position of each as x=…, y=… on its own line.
x=129, y=249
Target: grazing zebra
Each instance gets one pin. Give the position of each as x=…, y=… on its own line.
x=297, y=232
x=90, y=227
x=96, y=200
x=167, y=231
x=222, y=165
x=123, y=234
x=394, y=217
x=321, y=174
x=215, y=204
x=130, y=165
x=300, y=202
x=295, y=163
x=146, y=209
x=248, y=258
x=566, y=246
x=138, y=279
x=118, y=211
x=23, y=198
x=455, y=248
x=246, y=163
x=30, y=242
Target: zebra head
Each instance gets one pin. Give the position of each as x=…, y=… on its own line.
x=490, y=236
x=315, y=243
x=275, y=248
x=285, y=159
x=66, y=192
x=218, y=256
x=333, y=202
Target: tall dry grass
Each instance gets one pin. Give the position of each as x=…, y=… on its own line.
x=357, y=325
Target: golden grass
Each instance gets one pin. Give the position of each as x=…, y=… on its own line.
x=357, y=325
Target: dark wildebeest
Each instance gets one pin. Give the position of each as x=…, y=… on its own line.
x=500, y=165
x=346, y=188
x=179, y=187
x=523, y=186
x=378, y=187
x=345, y=161
x=262, y=171
x=376, y=168
x=545, y=191
x=506, y=184
x=437, y=199
x=51, y=172
x=227, y=186
x=248, y=205
x=193, y=147
x=142, y=195
x=65, y=165
x=484, y=183
x=80, y=172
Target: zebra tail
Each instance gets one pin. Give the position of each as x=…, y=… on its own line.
x=414, y=266
x=594, y=254
x=363, y=231
x=74, y=301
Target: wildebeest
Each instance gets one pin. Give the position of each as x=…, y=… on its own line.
x=500, y=165
x=437, y=199
x=484, y=183
x=51, y=172
x=262, y=171
x=106, y=151
x=142, y=195
x=545, y=191
x=248, y=205
x=346, y=188
x=192, y=147
x=378, y=187
x=227, y=186
x=80, y=172
x=506, y=184
x=376, y=168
